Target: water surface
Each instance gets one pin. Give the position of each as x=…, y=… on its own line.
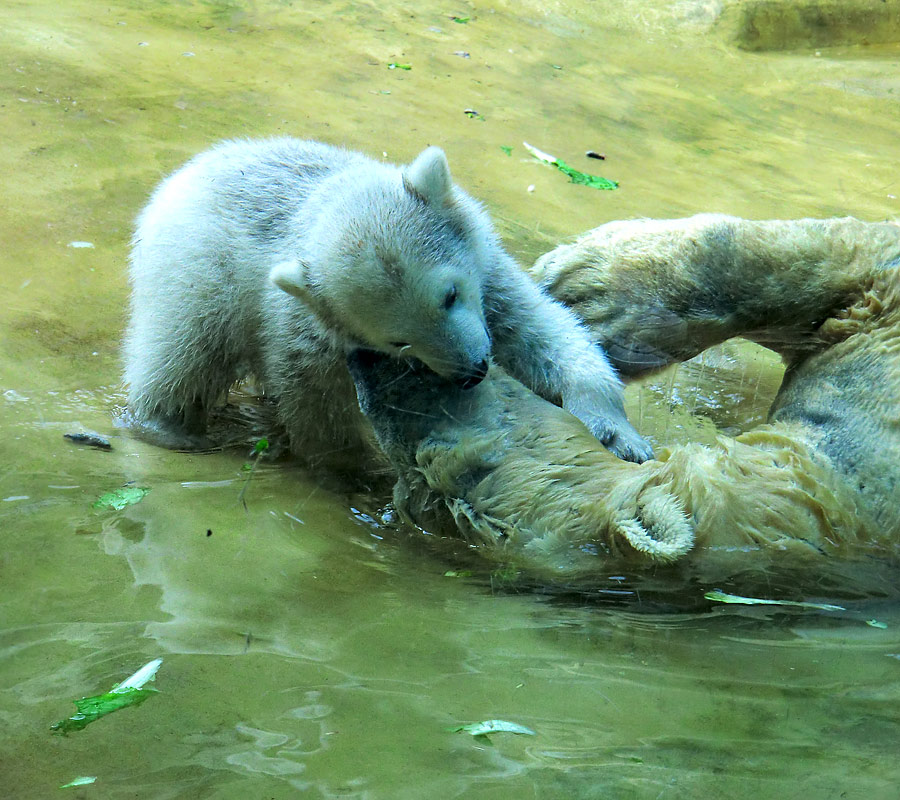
x=307, y=648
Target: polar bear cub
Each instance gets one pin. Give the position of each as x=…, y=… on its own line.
x=276, y=257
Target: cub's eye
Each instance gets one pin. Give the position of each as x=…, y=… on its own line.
x=450, y=298
x=399, y=345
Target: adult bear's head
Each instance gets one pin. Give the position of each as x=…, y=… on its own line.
x=515, y=471
x=407, y=403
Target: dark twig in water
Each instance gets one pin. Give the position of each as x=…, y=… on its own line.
x=89, y=440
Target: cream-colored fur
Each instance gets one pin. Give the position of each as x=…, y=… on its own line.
x=523, y=480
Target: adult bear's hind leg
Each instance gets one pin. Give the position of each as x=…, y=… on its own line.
x=655, y=292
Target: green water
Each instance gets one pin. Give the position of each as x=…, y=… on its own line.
x=309, y=651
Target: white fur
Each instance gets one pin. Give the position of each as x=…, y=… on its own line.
x=274, y=257
x=429, y=175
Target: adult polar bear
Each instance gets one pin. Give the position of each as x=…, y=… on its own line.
x=523, y=479
x=273, y=257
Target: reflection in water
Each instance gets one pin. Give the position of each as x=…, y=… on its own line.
x=305, y=648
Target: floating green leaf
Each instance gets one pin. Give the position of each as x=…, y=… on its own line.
x=575, y=175
x=460, y=20
x=505, y=149
x=92, y=708
x=121, y=498
x=723, y=597
x=130, y=692
x=82, y=781
x=394, y=65
x=584, y=179
x=481, y=730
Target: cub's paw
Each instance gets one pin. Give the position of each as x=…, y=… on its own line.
x=165, y=432
x=629, y=445
x=626, y=443
x=616, y=434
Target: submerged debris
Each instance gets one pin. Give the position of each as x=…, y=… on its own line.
x=89, y=440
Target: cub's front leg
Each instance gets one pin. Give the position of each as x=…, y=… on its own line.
x=654, y=292
x=543, y=345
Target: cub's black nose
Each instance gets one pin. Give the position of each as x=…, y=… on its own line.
x=471, y=379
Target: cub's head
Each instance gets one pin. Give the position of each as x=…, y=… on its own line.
x=395, y=260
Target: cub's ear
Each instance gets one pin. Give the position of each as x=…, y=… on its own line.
x=428, y=177
x=292, y=277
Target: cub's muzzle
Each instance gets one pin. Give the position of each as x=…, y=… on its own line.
x=471, y=379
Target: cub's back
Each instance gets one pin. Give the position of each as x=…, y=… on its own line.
x=240, y=188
